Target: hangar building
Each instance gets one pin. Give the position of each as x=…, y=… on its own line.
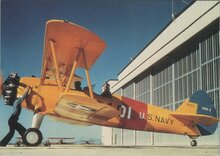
x=182, y=58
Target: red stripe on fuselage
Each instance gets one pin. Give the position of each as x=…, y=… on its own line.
x=135, y=114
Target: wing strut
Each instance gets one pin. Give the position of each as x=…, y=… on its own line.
x=73, y=70
x=88, y=76
x=80, y=51
x=45, y=65
x=57, y=72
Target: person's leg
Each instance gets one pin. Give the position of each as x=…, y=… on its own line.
x=8, y=137
x=20, y=128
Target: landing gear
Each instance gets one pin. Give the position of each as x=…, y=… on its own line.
x=193, y=143
x=32, y=137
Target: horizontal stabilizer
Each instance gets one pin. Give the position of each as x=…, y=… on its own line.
x=197, y=118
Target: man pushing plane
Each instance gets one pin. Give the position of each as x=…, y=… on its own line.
x=9, y=92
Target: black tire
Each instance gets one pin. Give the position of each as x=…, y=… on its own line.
x=32, y=137
x=193, y=143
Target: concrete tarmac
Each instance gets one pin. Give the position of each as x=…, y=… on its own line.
x=91, y=150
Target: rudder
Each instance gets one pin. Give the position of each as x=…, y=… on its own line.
x=200, y=110
x=205, y=106
x=204, y=102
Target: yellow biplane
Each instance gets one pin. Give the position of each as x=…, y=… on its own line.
x=68, y=47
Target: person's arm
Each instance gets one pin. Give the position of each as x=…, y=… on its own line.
x=25, y=94
x=21, y=99
x=18, y=101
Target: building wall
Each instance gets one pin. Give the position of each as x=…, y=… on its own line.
x=187, y=67
x=107, y=136
x=193, y=66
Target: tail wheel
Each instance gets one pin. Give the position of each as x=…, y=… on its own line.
x=32, y=137
x=193, y=143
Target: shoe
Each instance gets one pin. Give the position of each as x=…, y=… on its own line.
x=1, y=145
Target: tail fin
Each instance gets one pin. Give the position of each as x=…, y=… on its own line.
x=199, y=109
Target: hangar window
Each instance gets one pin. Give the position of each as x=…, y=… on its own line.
x=142, y=89
x=210, y=66
x=163, y=88
x=216, y=45
x=217, y=70
x=128, y=91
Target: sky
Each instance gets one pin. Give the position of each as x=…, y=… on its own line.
x=126, y=26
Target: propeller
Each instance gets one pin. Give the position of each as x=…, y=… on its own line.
x=8, y=88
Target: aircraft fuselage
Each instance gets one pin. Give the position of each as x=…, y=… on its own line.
x=132, y=115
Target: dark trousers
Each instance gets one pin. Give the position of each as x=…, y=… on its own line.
x=13, y=125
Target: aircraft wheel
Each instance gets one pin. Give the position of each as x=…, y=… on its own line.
x=193, y=143
x=32, y=137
